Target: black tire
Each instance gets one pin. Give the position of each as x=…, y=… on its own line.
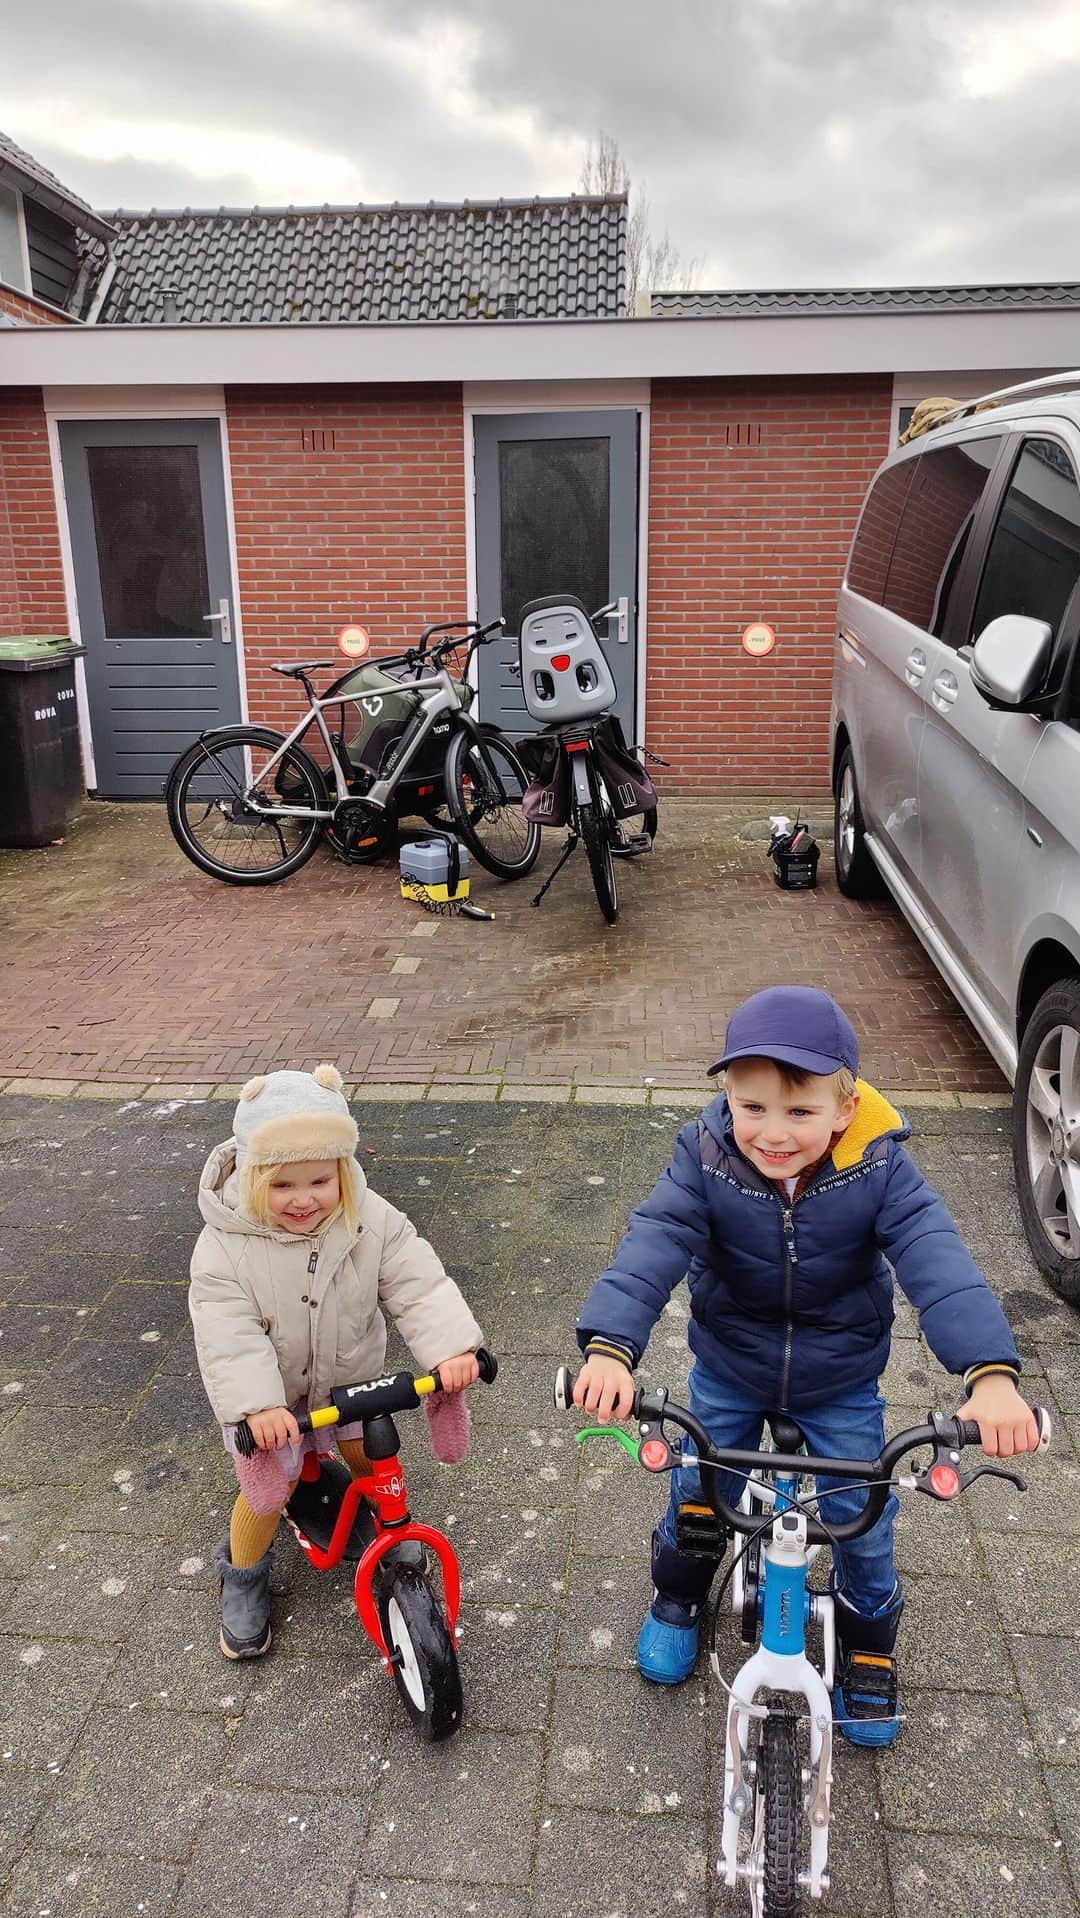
x=781, y=1784
x=650, y=822
x=208, y=824
x=856, y=874
x=593, y=826
x=427, y=1677
x=1046, y=1159
x=488, y=818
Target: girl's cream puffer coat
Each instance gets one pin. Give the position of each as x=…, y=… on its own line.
x=280, y=1317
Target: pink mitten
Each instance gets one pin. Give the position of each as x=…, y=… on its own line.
x=448, y=1426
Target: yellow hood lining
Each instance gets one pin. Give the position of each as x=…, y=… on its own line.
x=874, y=1116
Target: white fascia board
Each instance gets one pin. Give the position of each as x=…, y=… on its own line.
x=520, y=350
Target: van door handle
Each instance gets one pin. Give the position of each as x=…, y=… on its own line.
x=915, y=667
x=944, y=690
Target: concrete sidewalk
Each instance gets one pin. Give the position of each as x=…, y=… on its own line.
x=127, y=968
x=141, y=1773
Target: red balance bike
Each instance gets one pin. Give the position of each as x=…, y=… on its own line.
x=367, y=1521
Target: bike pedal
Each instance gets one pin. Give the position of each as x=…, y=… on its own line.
x=632, y=846
x=870, y=1685
x=698, y=1530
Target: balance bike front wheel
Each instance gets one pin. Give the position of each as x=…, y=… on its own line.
x=421, y=1645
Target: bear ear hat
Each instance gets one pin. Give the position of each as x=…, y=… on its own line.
x=253, y=1087
x=324, y=1075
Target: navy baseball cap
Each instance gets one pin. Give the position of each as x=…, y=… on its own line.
x=795, y=1025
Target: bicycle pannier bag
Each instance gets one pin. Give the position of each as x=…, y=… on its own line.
x=629, y=787
x=546, y=799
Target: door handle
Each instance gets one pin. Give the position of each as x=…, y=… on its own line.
x=223, y=618
x=620, y=613
x=944, y=691
x=915, y=667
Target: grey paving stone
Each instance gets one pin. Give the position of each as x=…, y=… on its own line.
x=591, y=1863
x=935, y=1778
x=466, y=1809
x=1051, y=1503
x=618, y=1505
x=147, y=1491
x=68, y=1884
x=47, y=1690
x=1049, y=1675
x=93, y=1372
x=68, y=1277
x=528, y=1319
x=507, y=1660
x=89, y=1587
x=29, y=1516
x=931, y=1874
x=22, y=1799
x=596, y=1756
x=137, y=1782
x=1034, y=1580
x=283, y=1852
x=934, y=1538
x=408, y=1898
x=315, y=1724
x=520, y=1398
x=171, y=1660
x=133, y=1309
x=603, y=1610
x=33, y=1335
x=171, y=1408
x=1064, y=1788
x=55, y=1448
x=951, y=1637
x=1062, y=1366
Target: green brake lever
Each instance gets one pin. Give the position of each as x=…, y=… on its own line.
x=629, y=1445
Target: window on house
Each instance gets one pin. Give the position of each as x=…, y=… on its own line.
x=935, y=528
x=12, y=258
x=1033, y=560
x=903, y=420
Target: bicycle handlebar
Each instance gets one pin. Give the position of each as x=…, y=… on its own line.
x=352, y=1404
x=948, y=1436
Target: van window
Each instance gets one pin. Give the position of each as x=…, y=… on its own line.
x=868, y=567
x=1033, y=560
x=935, y=527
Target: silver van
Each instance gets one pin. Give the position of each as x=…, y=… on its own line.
x=956, y=750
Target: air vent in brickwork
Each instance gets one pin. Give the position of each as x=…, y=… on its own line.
x=744, y=434
x=318, y=439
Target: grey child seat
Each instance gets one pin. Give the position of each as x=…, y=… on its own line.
x=564, y=673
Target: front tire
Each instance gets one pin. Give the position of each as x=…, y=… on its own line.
x=1046, y=1136
x=856, y=874
x=485, y=783
x=781, y=1786
x=426, y=1669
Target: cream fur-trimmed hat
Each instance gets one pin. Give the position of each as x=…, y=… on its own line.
x=286, y=1117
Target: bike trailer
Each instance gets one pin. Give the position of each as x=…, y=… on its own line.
x=384, y=705
x=564, y=672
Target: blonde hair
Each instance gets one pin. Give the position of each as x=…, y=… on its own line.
x=793, y=1078
x=256, y=1180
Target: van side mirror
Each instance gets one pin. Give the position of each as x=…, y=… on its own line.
x=1010, y=661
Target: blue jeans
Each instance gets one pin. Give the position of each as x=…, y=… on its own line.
x=864, y=1572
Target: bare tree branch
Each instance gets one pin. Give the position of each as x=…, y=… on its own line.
x=652, y=260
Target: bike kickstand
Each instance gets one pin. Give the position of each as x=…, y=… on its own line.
x=556, y=869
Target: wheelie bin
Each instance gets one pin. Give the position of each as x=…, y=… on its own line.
x=41, y=781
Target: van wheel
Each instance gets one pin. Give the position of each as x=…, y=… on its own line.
x=856, y=874
x=1046, y=1136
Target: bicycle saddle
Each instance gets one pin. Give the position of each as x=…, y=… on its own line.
x=786, y=1434
x=303, y=666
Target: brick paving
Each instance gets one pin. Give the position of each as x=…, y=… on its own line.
x=125, y=965
x=141, y=1774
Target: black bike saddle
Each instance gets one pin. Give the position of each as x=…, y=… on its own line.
x=786, y=1434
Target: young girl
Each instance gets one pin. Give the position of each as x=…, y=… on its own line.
x=290, y=1276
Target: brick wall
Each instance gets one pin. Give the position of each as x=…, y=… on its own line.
x=349, y=504
x=754, y=491
x=30, y=312
x=31, y=577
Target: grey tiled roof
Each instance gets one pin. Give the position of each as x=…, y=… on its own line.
x=523, y=259
x=20, y=169
x=813, y=302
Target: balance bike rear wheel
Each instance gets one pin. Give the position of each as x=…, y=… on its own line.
x=425, y=1662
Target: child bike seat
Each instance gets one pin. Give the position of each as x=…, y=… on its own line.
x=564, y=672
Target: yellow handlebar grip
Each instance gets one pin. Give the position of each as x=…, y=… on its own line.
x=425, y=1385
x=326, y=1415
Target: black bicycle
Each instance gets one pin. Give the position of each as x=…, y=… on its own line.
x=249, y=805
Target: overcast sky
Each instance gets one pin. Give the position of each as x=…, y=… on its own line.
x=782, y=142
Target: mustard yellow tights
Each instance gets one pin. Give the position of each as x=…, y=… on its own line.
x=250, y=1533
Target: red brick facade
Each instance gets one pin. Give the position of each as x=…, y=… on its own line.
x=31, y=577
x=754, y=491
x=29, y=311
x=349, y=504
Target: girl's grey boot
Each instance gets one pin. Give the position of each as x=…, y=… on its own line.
x=245, y=1605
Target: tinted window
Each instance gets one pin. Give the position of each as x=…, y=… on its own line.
x=1034, y=556
x=868, y=567
x=555, y=512
x=934, y=530
x=151, y=547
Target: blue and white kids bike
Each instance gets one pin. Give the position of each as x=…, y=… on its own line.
x=778, y=1763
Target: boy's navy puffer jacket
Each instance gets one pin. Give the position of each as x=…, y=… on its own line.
x=793, y=1301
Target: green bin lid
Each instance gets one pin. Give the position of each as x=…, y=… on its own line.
x=35, y=646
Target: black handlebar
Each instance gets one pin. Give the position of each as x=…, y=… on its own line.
x=373, y=1398
x=948, y=1436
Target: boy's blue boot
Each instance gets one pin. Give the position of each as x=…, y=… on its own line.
x=668, y=1642
x=866, y=1696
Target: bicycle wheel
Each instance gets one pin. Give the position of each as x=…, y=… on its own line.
x=207, y=798
x=485, y=781
x=425, y=1663
x=781, y=1786
x=593, y=825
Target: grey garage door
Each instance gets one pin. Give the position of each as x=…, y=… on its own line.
x=149, y=541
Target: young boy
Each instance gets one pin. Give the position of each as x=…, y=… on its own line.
x=779, y=1204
